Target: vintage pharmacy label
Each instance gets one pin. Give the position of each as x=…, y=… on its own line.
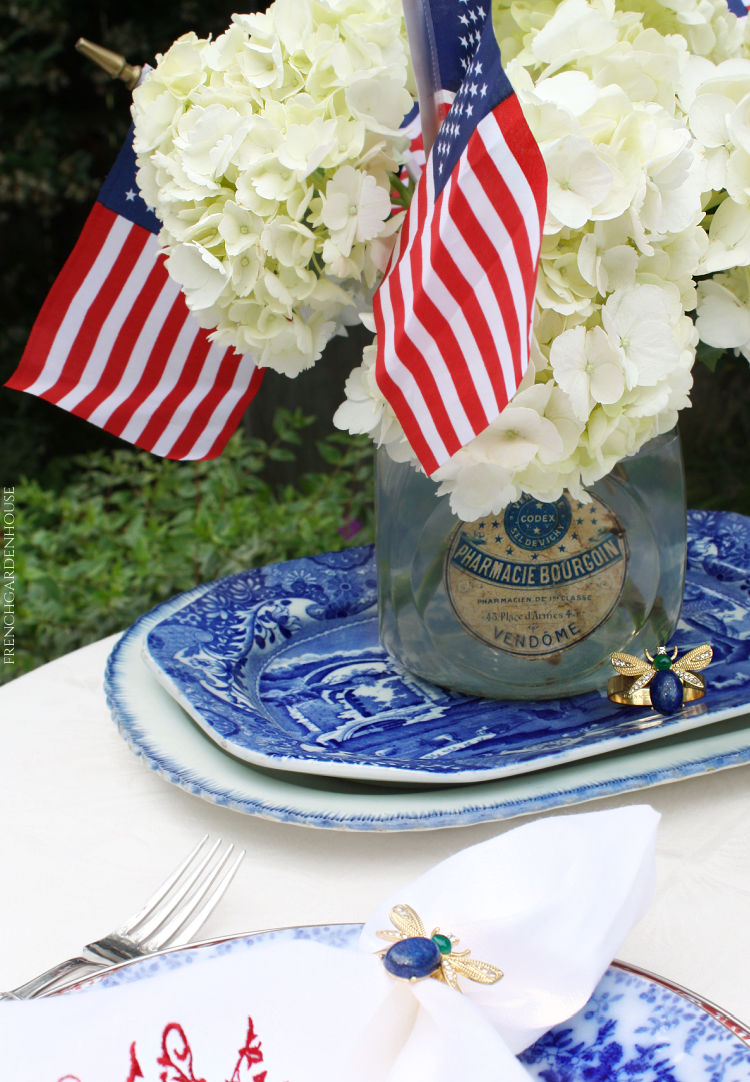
x=539, y=577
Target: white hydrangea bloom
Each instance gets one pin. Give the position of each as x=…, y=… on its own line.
x=267, y=155
x=353, y=208
x=729, y=238
x=642, y=112
x=588, y=368
x=724, y=311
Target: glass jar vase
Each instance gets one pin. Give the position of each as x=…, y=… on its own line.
x=531, y=602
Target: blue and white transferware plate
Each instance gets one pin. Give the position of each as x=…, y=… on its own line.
x=282, y=667
x=635, y=1028
x=158, y=731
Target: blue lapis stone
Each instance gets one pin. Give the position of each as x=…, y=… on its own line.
x=666, y=692
x=412, y=958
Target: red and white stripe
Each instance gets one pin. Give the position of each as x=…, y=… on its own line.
x=116, y=344
x=415, y=158
x=454, y=312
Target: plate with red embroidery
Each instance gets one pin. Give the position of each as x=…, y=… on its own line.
x=636, y=1027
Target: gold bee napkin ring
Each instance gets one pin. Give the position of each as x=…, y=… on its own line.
x=414, y=955
x=662, y=681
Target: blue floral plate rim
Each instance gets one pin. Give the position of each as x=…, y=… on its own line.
x=690, y=1035
x=231, y=642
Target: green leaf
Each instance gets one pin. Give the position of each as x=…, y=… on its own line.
x=709, y=355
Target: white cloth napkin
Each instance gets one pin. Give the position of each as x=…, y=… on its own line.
x=548, y=903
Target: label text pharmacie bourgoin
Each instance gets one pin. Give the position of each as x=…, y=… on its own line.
x=491, y=569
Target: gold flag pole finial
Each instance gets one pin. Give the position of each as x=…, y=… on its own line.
x=115, y=65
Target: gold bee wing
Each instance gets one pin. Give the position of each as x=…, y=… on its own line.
x=407, y=921
x=447, y=973
x=482, y=972
x=389, y=935
x=628, y=665
x=694, y=660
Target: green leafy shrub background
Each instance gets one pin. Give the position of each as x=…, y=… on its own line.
x=127, y=530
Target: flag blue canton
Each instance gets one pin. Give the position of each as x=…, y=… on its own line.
x=120, y=194
x=483, y=83
x=457, y=27
x=737, y=7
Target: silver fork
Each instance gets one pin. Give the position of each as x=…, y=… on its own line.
x=174, y=913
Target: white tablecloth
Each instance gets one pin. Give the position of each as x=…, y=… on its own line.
x=88, y=832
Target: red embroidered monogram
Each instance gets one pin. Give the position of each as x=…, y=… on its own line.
x=135, y=1068
x=250, y=1056
x=177, y=1055
x=177, y=1059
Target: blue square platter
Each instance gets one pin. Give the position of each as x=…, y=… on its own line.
x=281, y=666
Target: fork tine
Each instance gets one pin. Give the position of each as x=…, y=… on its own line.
x=186, y=921
x=170, y=893
x=205, y=906
x=178, y=907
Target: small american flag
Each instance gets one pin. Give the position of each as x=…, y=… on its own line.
x=116, y=344
x=454, y=312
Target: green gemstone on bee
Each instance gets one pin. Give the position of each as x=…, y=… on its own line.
x=442, y=943
x=662, y=662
